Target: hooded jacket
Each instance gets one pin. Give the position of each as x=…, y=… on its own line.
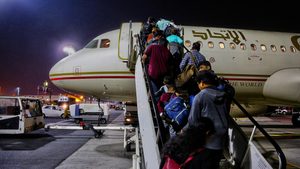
x=211, y=103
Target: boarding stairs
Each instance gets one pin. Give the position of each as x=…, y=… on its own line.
x=242, y=151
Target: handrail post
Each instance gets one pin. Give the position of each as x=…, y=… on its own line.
x=281, y=156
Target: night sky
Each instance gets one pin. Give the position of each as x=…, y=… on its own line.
x=33, y=32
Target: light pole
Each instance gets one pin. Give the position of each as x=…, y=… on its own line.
x=18, y=89
x=47, y=89
x=69, y=50
x=45, y=86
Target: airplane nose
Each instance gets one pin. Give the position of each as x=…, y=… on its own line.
x=63, y=70
x=57, y=68
x=56, y=71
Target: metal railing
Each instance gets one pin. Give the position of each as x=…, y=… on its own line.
x=240, y=140
x=281, y=157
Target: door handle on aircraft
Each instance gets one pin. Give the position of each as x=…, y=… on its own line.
x=125, y=61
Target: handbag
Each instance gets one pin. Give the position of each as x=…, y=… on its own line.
x=188, y=72
x=172, y=164
x=185, y=75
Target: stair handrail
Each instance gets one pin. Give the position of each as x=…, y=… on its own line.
x=162, y=136
x=281, y=156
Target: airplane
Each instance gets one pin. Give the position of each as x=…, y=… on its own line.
x=262, y=66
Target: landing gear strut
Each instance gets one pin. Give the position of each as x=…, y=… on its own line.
x=296, y=120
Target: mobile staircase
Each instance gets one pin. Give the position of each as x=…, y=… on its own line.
x=242, y=151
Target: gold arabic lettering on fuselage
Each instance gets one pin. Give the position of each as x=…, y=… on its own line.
x=224, y=34
x=296, y=42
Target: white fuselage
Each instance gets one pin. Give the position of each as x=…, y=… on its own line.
x=98, y=72
x=247, y=58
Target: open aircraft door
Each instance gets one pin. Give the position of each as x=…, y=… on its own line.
x=128, y=42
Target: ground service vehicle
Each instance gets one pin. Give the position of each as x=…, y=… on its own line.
x=20, y=115
x=89, y=112
x=130, y=114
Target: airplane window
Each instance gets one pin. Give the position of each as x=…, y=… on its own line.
x=273, y=48
x=263, y=47
x=232, y=45
x=105, y=43
x=187, y=43
x=293, y=49
x=201, y=45
x=283, y=49
x=210, y=44
x=243, y=46
x=253, y=46
x=222, y=45
x=92, y=44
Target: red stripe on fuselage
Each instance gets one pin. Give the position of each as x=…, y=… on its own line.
x=242, y=79
x=91, y=77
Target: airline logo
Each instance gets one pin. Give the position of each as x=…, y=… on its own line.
x=236, y=36
x=296, y=41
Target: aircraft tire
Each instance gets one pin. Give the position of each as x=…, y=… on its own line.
x=296, y=120
x=128, y=147
x=77, y=121
x=103, y=121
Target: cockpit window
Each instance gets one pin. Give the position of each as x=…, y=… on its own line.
x=92, y=44
x=105, y=43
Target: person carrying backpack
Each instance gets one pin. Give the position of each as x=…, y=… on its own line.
x=146, y=29
x=164, y=99
x=223, y=85
x=176, y=114
x=210, y=103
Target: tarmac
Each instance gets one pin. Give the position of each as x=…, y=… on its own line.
x=106, y=152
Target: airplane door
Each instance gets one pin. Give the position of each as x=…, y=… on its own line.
x=127, y=41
